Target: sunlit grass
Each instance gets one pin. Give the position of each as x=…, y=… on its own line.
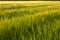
x=40, y=22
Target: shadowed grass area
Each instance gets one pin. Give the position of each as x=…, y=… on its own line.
x=30, y=22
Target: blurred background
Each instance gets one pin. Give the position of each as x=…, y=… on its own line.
x=29, y=0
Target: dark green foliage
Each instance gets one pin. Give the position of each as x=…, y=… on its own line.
x=29, y=0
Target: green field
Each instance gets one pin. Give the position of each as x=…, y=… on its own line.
x=32, y=22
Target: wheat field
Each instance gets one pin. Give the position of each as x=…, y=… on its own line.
x=29, y=22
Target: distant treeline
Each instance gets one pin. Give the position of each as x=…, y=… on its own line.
x=29, y=0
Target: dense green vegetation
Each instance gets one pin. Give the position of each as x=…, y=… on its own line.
x=19, y=22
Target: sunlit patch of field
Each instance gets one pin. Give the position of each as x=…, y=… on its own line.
x=30, y=22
